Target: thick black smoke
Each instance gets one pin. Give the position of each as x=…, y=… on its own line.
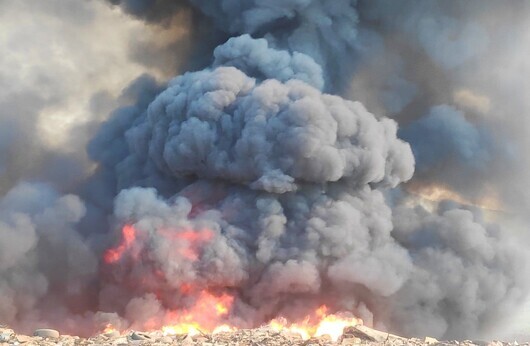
x=252, y=177
x=324, y=30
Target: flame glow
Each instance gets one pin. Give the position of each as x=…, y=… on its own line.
x=114, y=254
x=223, y=328
x=191, y=241
x=188, y=242
x=110, y=329
x=319, y=324
x=205, y=311
x=196, y=321
x=203, y=316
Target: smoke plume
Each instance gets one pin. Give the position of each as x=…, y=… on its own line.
x=283, y=171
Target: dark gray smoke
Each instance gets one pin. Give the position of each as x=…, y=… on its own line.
x=323, y=30
x=301, y=164
x=44, y=261
x=255, y=176
x=466, y=272
x=447, y=67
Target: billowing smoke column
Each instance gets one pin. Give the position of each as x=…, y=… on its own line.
x=281, y=181
x=248, y=189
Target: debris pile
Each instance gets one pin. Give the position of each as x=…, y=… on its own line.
x=264, y=336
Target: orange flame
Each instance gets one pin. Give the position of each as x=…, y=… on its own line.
x=318, y=325
x=209, y=312
x=109, y=329
x=114, y=254
x=204, y=316
x=224, y=328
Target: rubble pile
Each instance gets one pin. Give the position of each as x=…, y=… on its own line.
x=264, y=336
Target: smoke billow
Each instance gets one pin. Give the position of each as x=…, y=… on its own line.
x=256, y=179
x=37, y=226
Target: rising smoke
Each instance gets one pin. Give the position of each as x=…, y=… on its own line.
x=259, y=176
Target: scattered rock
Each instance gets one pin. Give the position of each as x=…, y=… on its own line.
x=428, y=340
x=480, y=343
x=139, y=336
x=350, y=341
x=264, y=336
x=6, y=334
x=291, y=335
x=119, y=341
x=166, y=340
x=369, y=334
x=354, y=332
x=187, y=340
x=112, y=335
x=200, y=338
x=46, y=333
x=495, y=343
x=24, y=338
x=323, y=338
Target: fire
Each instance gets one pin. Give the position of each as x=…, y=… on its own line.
x=110, y=329
x=319, y=324
x=182, y=328
x=224, y=328
x=204, y=316
x=280, y=324
x=333, y=326
x=198, y=320
x=114, y=254
x=209, y=312
x=188, y=243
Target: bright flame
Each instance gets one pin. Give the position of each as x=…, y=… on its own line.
x=109, y=329
x=281, y=324
x=332, y=325
x=114, y=254
x=182, y=328
x=203, y=316
x=195, y=321
x=224, y=328
x=209, y=312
